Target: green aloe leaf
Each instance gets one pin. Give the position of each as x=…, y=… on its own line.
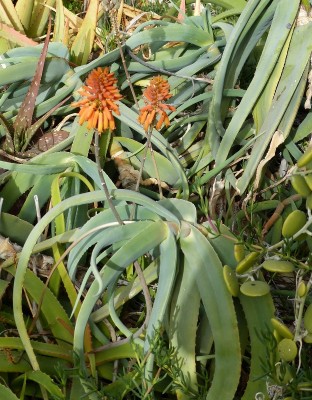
x=142, y=241
x=204, y=263
x=183, y=321
x=83, y=42
x=45, y=381
x=276, y=39
x=6, y=393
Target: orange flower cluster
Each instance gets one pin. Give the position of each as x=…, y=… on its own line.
x=155, y=95
x=99, y=100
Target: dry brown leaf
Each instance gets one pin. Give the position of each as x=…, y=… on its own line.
x=277, y=139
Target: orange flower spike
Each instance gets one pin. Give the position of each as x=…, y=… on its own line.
x=100, y=123
x=99, y=97
x=155, y=95
x=85, y=113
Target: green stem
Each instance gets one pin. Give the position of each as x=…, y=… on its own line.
x=102, y=179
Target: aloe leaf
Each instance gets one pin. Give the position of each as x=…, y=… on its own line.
x=258, y=313
x=59, y=23
x=46, y=349
x=24, y=117
x=9, y=15
x=21, y=270
x=167, y=172
x=125, y=293
x=171, y=33
x=223, y=77
x=6, y=393
x=83, y=42
x=226, y=3
x=167, y=276
x=276, y=39
x=16, y=37
x=45, y=381
x=304, y=129
x=204, y=263
x=264, y=102
x=14, y=228
x=31, y=131
x=54, y=69
x=82, y=139
x=51, y=309
x=43, y=164
x=41, y=189
x=24, y=10
x=8, y=144
x=290, y=81
x=183, y=323
x=39, y=18
x=141, y=243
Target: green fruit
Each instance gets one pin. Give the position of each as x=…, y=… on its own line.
x=239, y=252
x=305, y=158
x=231, y=280
x=308, y=179
x=293, y=223
x=278, y=266
x=302, y=289
x=247, y=262
x=300, y=185
x=308, y=338
x=307, y=319
x=281, y=329
x=287, y=349
x=255, y=288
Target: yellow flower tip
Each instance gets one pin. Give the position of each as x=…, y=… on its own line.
x=99, y=97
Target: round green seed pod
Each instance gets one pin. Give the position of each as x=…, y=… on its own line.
x=293, y=223
x=307, y=319
x=305, y=158
x=231, y=280
x=308, y=338
x=287, y=349
x=302, y=289
x=308, y=179
x=239, y=252
x=281, y=329
x=309, y=202
x=300, y=185
x=255, y=288
x=247, y=262
x=278, y=266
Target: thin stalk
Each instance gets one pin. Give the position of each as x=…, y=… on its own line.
x=102, y=179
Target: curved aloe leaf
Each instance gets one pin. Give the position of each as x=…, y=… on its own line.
x=167, y=274
x=276, y=39
x=258, y=313
x=6, y=393
x=183, y=323
x=204, y=263
x=141, y=243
